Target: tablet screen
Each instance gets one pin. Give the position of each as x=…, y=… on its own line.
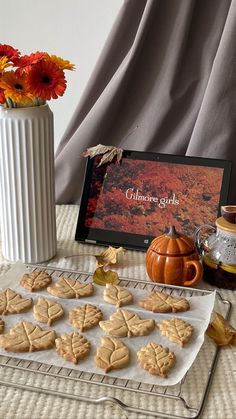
x=132, y=202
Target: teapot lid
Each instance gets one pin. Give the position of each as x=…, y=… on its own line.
x=172, y=244
x=222, y=224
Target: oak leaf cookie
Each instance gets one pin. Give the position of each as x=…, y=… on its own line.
x=13, y=303
x=36, y=281
x=27, y=337
x=2, y=325
x=112, y=354
x=47, y=311
x=126, y=323
x=159, y=302
x=70, y=288
x=176, y=330
x=119, y=296
x=85, y=317
x=72, y=347
x=156, y=359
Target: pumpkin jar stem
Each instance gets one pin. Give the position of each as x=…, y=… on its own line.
x=173, y=233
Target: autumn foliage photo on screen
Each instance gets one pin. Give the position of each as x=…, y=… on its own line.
x=146, y=197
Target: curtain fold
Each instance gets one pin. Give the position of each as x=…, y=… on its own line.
x=165, y=82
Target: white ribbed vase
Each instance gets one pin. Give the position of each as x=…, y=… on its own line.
x=27, y=189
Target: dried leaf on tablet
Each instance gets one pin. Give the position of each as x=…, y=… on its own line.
x=101, y=277
x=109, y=256
x=109, y=152
x=221, y=331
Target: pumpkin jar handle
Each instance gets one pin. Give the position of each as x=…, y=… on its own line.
x=198, y=272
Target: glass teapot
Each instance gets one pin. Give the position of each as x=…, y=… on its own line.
x=218, y=250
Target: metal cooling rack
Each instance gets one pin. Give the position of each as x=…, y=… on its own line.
x=179, y=401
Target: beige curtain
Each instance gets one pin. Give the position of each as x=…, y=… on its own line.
x=165, y=82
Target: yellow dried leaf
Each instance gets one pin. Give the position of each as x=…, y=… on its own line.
x=108, y=257
x=221, y=331
x=101, y=277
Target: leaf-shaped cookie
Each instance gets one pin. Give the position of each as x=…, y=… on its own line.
x=116, y=295
x=109, y=256
x=72, y=347
x=70, y=288
x=159, y=302
x=2, y=324
x=112, y=354
x=47, y=311
x=156, y=359
x=27, y=337
x=126, y=323
x=36, y=281
x=85, y=317
x=176, y=330
x=12, y=303
x=102, y=277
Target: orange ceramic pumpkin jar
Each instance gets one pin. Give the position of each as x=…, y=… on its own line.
x=172, y=259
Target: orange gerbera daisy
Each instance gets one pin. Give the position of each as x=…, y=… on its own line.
x=63, y=64
x=3, y=63
x=15, y=88
x=26, y=61
x=46, y=80
x=9, y=52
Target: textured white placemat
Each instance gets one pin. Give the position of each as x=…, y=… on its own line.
x=22, y=404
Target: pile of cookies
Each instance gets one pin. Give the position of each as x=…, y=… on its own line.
x=113, y=353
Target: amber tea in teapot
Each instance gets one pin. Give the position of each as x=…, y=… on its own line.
x=219, y=250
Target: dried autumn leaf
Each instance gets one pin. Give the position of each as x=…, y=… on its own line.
x=35, y=281
x=156, y=359
x=85, y=317
x=27, y=337
x=221, y=331
x=108, y=257
x=101, y=277
x=12, y=303
x=109, y=152
x=126, y=323
x=47, y=311
x=116, y=295
x=70, y=288
x=72, y=347
x=112, y=354
x=159, y=302
x=2, y=324
x=176, y=330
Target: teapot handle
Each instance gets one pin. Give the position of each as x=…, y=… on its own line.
x=197, y=237
x=198, y=272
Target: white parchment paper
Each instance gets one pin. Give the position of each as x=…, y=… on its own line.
x=198, y=315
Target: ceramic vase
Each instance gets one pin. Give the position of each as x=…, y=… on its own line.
x=27, y=187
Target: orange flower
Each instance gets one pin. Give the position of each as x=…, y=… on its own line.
x=9, y=52
x=2, y=96
x=15, y=88
x=46, y=80
x=3, y=63
x=26, y=61
x=63, y=64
